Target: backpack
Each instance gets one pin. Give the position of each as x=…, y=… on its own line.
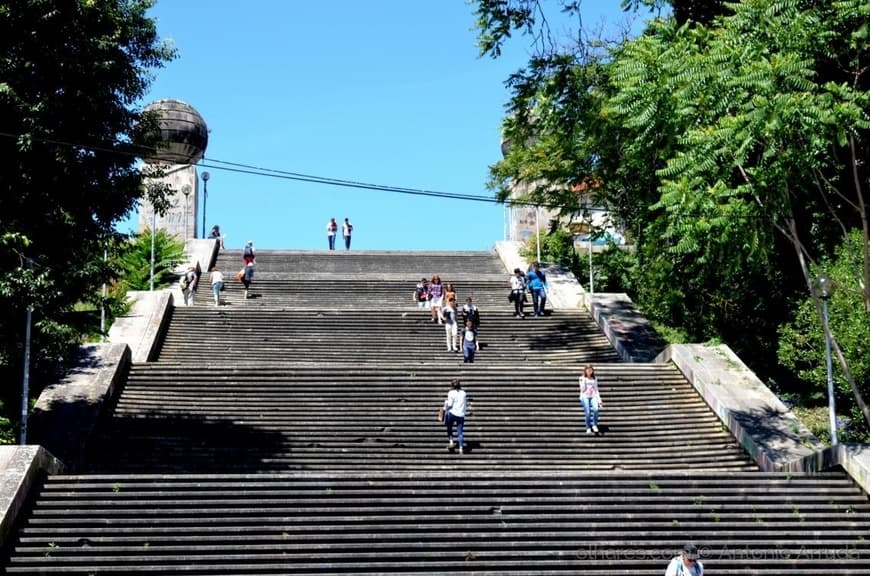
x=249, y=251
x=185, y=282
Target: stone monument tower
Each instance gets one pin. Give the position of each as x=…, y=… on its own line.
x=183, y=138
x=524, y=221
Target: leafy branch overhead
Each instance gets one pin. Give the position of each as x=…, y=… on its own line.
x=728, y=140
x=71, y=76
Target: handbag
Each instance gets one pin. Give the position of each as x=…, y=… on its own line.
x=440, y=416
x=241, y=275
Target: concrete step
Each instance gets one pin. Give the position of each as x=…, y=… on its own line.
x=376, y=337
x=242, y=417
x=434, y=523
x=345, y=293
x=413, y=265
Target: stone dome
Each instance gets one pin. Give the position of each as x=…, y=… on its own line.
x=183, y=135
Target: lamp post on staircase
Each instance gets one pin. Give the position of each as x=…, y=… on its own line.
x=205, y=177
x=824, y=290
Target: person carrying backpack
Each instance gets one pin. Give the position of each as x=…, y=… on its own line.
x=536, y=281
x=188, y=283
x=249, y=255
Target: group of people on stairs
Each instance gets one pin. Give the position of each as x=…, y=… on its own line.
x=190, y=278
x=461, y=325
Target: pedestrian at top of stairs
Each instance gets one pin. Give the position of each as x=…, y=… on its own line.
x=249, y=254
x=331, y=231
x=346, y=231
x=686, y=564
x=215, y=234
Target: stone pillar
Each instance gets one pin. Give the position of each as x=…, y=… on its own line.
x=179, y=177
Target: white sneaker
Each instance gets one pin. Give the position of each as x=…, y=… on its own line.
x=595, y=429
x=589, y=430
x=450, y=445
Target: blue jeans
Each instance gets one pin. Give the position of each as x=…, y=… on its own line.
x=449, y=419
x=539, y=300
x=331, y=241
x=590, y=409
x=468, y=350
x=347, y=242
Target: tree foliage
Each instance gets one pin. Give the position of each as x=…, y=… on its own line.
x=134, y=261
x=729, y=140
x=71, y=75
x=802, y=341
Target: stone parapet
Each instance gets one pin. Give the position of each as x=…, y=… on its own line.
x=757, y=418
x=631, y=334
x=20, y=468
x=140, y=329
x=68, y=411
x=855, y=460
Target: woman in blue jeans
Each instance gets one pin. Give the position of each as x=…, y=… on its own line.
x=590, y=398
x=455, y=407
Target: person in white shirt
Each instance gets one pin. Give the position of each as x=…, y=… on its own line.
x=451, y=326
x=686, y=564
x=590, y=398
x=346, y=230
x=455, y=407
x=518, y=292
x=469, y=343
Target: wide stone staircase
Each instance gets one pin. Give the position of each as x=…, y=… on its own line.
x=294, y=432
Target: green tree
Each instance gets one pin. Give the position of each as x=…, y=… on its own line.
x=802, y=341
x=778, y=109
x=725, y=145
x=134, y=261
x=71, y=74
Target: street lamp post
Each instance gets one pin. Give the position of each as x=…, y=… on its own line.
x=186, y=191
x=205, y=177
x=538, y=230
x=153, y=245
x=824, y=290
x=591, y=286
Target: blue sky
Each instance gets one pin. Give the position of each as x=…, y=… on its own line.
x=388, y=92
